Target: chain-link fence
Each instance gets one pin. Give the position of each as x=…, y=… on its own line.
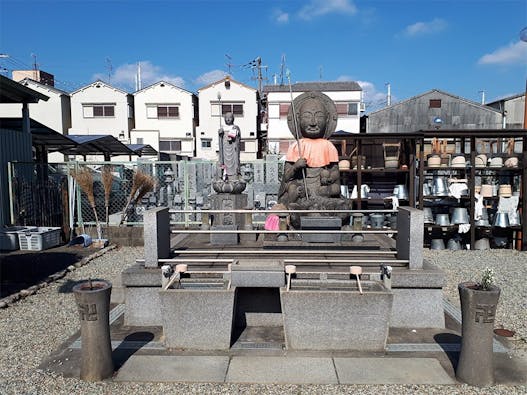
x=53, y=199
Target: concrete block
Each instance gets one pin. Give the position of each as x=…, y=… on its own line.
x=417, y=308
x=197, y=318
x=224, y=238
x=174, y=368
x=156, y=235
x=336, y=319
x=280, y=370
x=410, y=236
x=139, y=276
x=142, y=306
x=391, y=371
x=321, y=223
x=261, y=278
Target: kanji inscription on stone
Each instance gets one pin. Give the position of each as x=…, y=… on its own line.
x=485, y=313
x=88, y=312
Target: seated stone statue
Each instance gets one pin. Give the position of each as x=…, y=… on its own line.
x=312, y=161
x=228, y=178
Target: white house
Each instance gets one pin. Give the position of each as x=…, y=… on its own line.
x=347, y=96
x=218, y=98
x=165, y=118
x=54, y=113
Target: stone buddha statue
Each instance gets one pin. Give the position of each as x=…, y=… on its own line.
x=312, y=161
x=228, y=178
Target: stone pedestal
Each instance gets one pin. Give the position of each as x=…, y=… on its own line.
x=227, y=201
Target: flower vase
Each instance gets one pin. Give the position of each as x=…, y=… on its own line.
x=478, y=311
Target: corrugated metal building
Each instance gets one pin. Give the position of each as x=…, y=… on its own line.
x=433, y=109
x=514, y=108
x=15, y=145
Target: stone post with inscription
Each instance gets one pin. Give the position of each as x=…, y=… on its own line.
x=478, y=311
x=93, y=302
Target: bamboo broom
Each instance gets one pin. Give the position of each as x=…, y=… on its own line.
x=141, y=184
x=107, y=180
x=84, y=179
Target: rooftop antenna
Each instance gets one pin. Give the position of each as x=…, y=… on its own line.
x=35, y=65
x=110, y=68
x=139, y=81
x=320, y=70
x=282, y=67
x=229, y=64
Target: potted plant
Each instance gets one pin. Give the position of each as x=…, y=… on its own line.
x=478, y=311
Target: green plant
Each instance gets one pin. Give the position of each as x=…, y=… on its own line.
x=487, y=279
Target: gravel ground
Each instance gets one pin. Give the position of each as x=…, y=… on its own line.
x=33, y=327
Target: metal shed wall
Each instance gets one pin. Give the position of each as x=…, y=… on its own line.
x=14, y=146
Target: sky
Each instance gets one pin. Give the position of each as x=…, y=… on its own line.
x=469, y=48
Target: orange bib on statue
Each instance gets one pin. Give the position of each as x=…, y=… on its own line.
x=318, y=152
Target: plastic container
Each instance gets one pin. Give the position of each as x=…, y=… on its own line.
x=9, y=237
x=40, y=239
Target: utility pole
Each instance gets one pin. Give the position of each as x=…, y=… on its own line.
x=257, y=64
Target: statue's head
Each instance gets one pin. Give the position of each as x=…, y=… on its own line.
x=316, y=116
x=229, y=118
x=312, y=118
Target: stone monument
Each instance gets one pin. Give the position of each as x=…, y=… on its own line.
x=229, y=184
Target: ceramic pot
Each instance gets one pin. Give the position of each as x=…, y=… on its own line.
x=453, y=245
x=377, y=221
x=511, y=162
x=434, y=161
x=481, y=160
x=501, y=220
x=428, y=216
x=460, y=216
x=459, y=161
x=496, y=162
x=344, y=164
x=486, y=190
x=482, y=244
x=505, y=190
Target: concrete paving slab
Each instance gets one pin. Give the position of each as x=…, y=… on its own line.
x=391, y=371
x=157, y=368
x=281, y=370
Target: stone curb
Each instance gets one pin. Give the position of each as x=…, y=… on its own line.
x=9, y=300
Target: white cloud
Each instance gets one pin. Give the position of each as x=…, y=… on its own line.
x=434, y=26
x=125, y=76
x=512, y=54
x=210, y=77
x=280, y=16
x=372, y=97
x=316, y=8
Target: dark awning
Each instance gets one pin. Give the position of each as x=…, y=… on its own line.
x=142, y=149
x=13, y=92
x=97, y=144
x=40, y=134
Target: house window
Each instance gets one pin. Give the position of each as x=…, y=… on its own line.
x=170, y=145
x=167, y=111
x=435, y=103
x=284, y=109
x=347, y=108
x=206, y=143
x=98, y=110
x=236, y=109
x=164, y=111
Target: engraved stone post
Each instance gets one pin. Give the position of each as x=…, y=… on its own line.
x=93, y=302
x=478, y=310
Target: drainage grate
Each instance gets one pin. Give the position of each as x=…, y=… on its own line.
x=259, y=346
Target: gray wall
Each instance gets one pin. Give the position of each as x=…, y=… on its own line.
x=415, y=114
x=14, y=146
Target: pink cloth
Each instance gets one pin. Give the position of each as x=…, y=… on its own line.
x=318, y=152
x=272, y=222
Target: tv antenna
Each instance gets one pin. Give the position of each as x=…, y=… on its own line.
x=282, y=68
x=228, y=63
x=110, y=68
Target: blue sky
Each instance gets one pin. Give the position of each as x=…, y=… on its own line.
x=459, y=46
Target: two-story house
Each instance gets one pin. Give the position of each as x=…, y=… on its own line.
x=101, y=109
x=166, y=118
x=215, y=100
x=347, y=96
x=53, y=113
